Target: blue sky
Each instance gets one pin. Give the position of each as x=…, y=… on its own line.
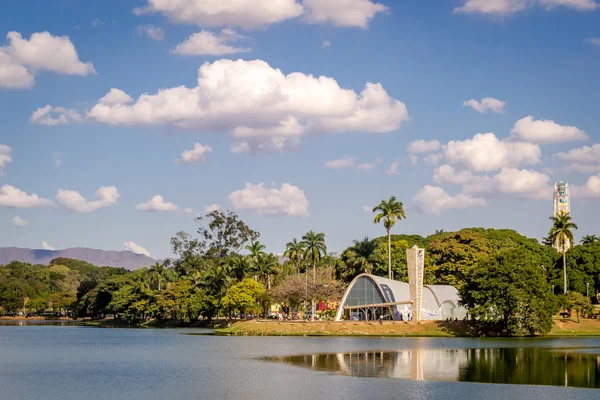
x=269, y=131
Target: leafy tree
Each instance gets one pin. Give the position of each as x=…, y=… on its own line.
x=361, y=256
x=238, y=266
x=244, y=295
x=294, y=250
x=225, y=233
x=181, y=302
x=509, y=293
x=576, y=301
x=257, y=250
x=590, y=239
x=160, y=275
x=389, y=211
x=561, y=234
x=291, y=293
x=314, y=249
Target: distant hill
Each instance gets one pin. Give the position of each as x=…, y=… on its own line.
x=124, y=259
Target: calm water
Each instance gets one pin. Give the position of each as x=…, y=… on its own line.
x=73, y=362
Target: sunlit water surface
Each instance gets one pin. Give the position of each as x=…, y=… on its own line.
x=75, y=362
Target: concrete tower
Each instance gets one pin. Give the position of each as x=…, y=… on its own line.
x=562, y=203
x=415, y=260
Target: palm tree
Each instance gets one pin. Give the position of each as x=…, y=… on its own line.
x=590, y=239
x=314, y=249
x=361, y=255
x=562, y=236
x=267, y=266
x=256, y=250
x=159, y=274
x=215, y=280
x=389, y=211
x=238, y=266
x=294, y=251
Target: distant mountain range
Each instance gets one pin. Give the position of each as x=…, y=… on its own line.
x=124, y=259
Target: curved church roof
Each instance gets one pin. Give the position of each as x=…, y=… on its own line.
x=444, y=293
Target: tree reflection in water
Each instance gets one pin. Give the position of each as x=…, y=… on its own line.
x=527, y=366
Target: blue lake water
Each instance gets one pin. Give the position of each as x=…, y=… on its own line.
x=75, y=362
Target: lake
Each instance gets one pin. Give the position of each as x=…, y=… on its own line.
x=75, y=362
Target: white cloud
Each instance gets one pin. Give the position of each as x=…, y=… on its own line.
x=367, y=209
x=53, y=116
x=245, y=14
x=594, y=41
x=326, y=43
x=289, y=200
x=151, y=31
x=19, y=222
x=21, y=59
x=523, y=183
x=434, y=199
x=486, y=153
x=583, y=155
x=199, y=154
x=423, y=146
x=393, y=168
x=447, y=173
x=5, y=157
x=11, y=196
x=545, y=131
x=413, y=159
x=508, y=7
x=346, y=162
x=261, y=107
x=369, y=165
x=157, y=203
x=136, y=248
x=208, y=43
x=46, y=246
x=211, y=208
x=433, y=159
x=591, y=188
x=74, y=201
x=486, y=104
x=350, y=13
x=187, y=210
x=57, y=158
x=97, y=22
x=583, y=168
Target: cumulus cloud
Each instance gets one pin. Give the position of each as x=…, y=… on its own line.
x=211, y=208
x=11, y=196
x=346, y=162
x=447, y=173
x=434, y=199
x=350, y=13
x=199, y=154
x=423, y=146
x=136, y=248
x=288, y=200
x=21, y=59
x=508, y=7
x=583, y=155
x=5, y=157
x=53, y=116
x=486, y=153
x=368, y=165
x=583, y=168
x=151, y=31
x=393, y=168
x=591, y=188
x=19, y=222
x=46, y=246
x=188, y=210
x=594, y=41
x=157, y=203
x=211, y=44
x=545, y=131
x=433, y=159
x=74, y=201
x=486, y=104
x=244, y=14
x=263, y=109
x=512, y=182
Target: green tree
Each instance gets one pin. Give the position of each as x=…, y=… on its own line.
x=256, y=250
x=294, y=251
x=225, y=233
x=562, y=234
x=314, y=249
x=589, y=239
x=509, y=294
x=161, y=275
x=360, y=256
x=389, y=211
x=181, y=302
x=576, y=301
x=243, y=296
x=238, y=266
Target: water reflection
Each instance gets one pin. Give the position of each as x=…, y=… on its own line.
x=528, y=366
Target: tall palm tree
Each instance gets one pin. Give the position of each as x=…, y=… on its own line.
x=159, y=273
x=266, y=267
x=257, y=250
x=215, y=280
x=238, y=266
x=389, y=211
x=314, y=249
x=361, y=254
x=294, y=251
x=562, y=235
x=590, y=239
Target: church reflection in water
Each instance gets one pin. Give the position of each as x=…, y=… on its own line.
x=532, y=366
